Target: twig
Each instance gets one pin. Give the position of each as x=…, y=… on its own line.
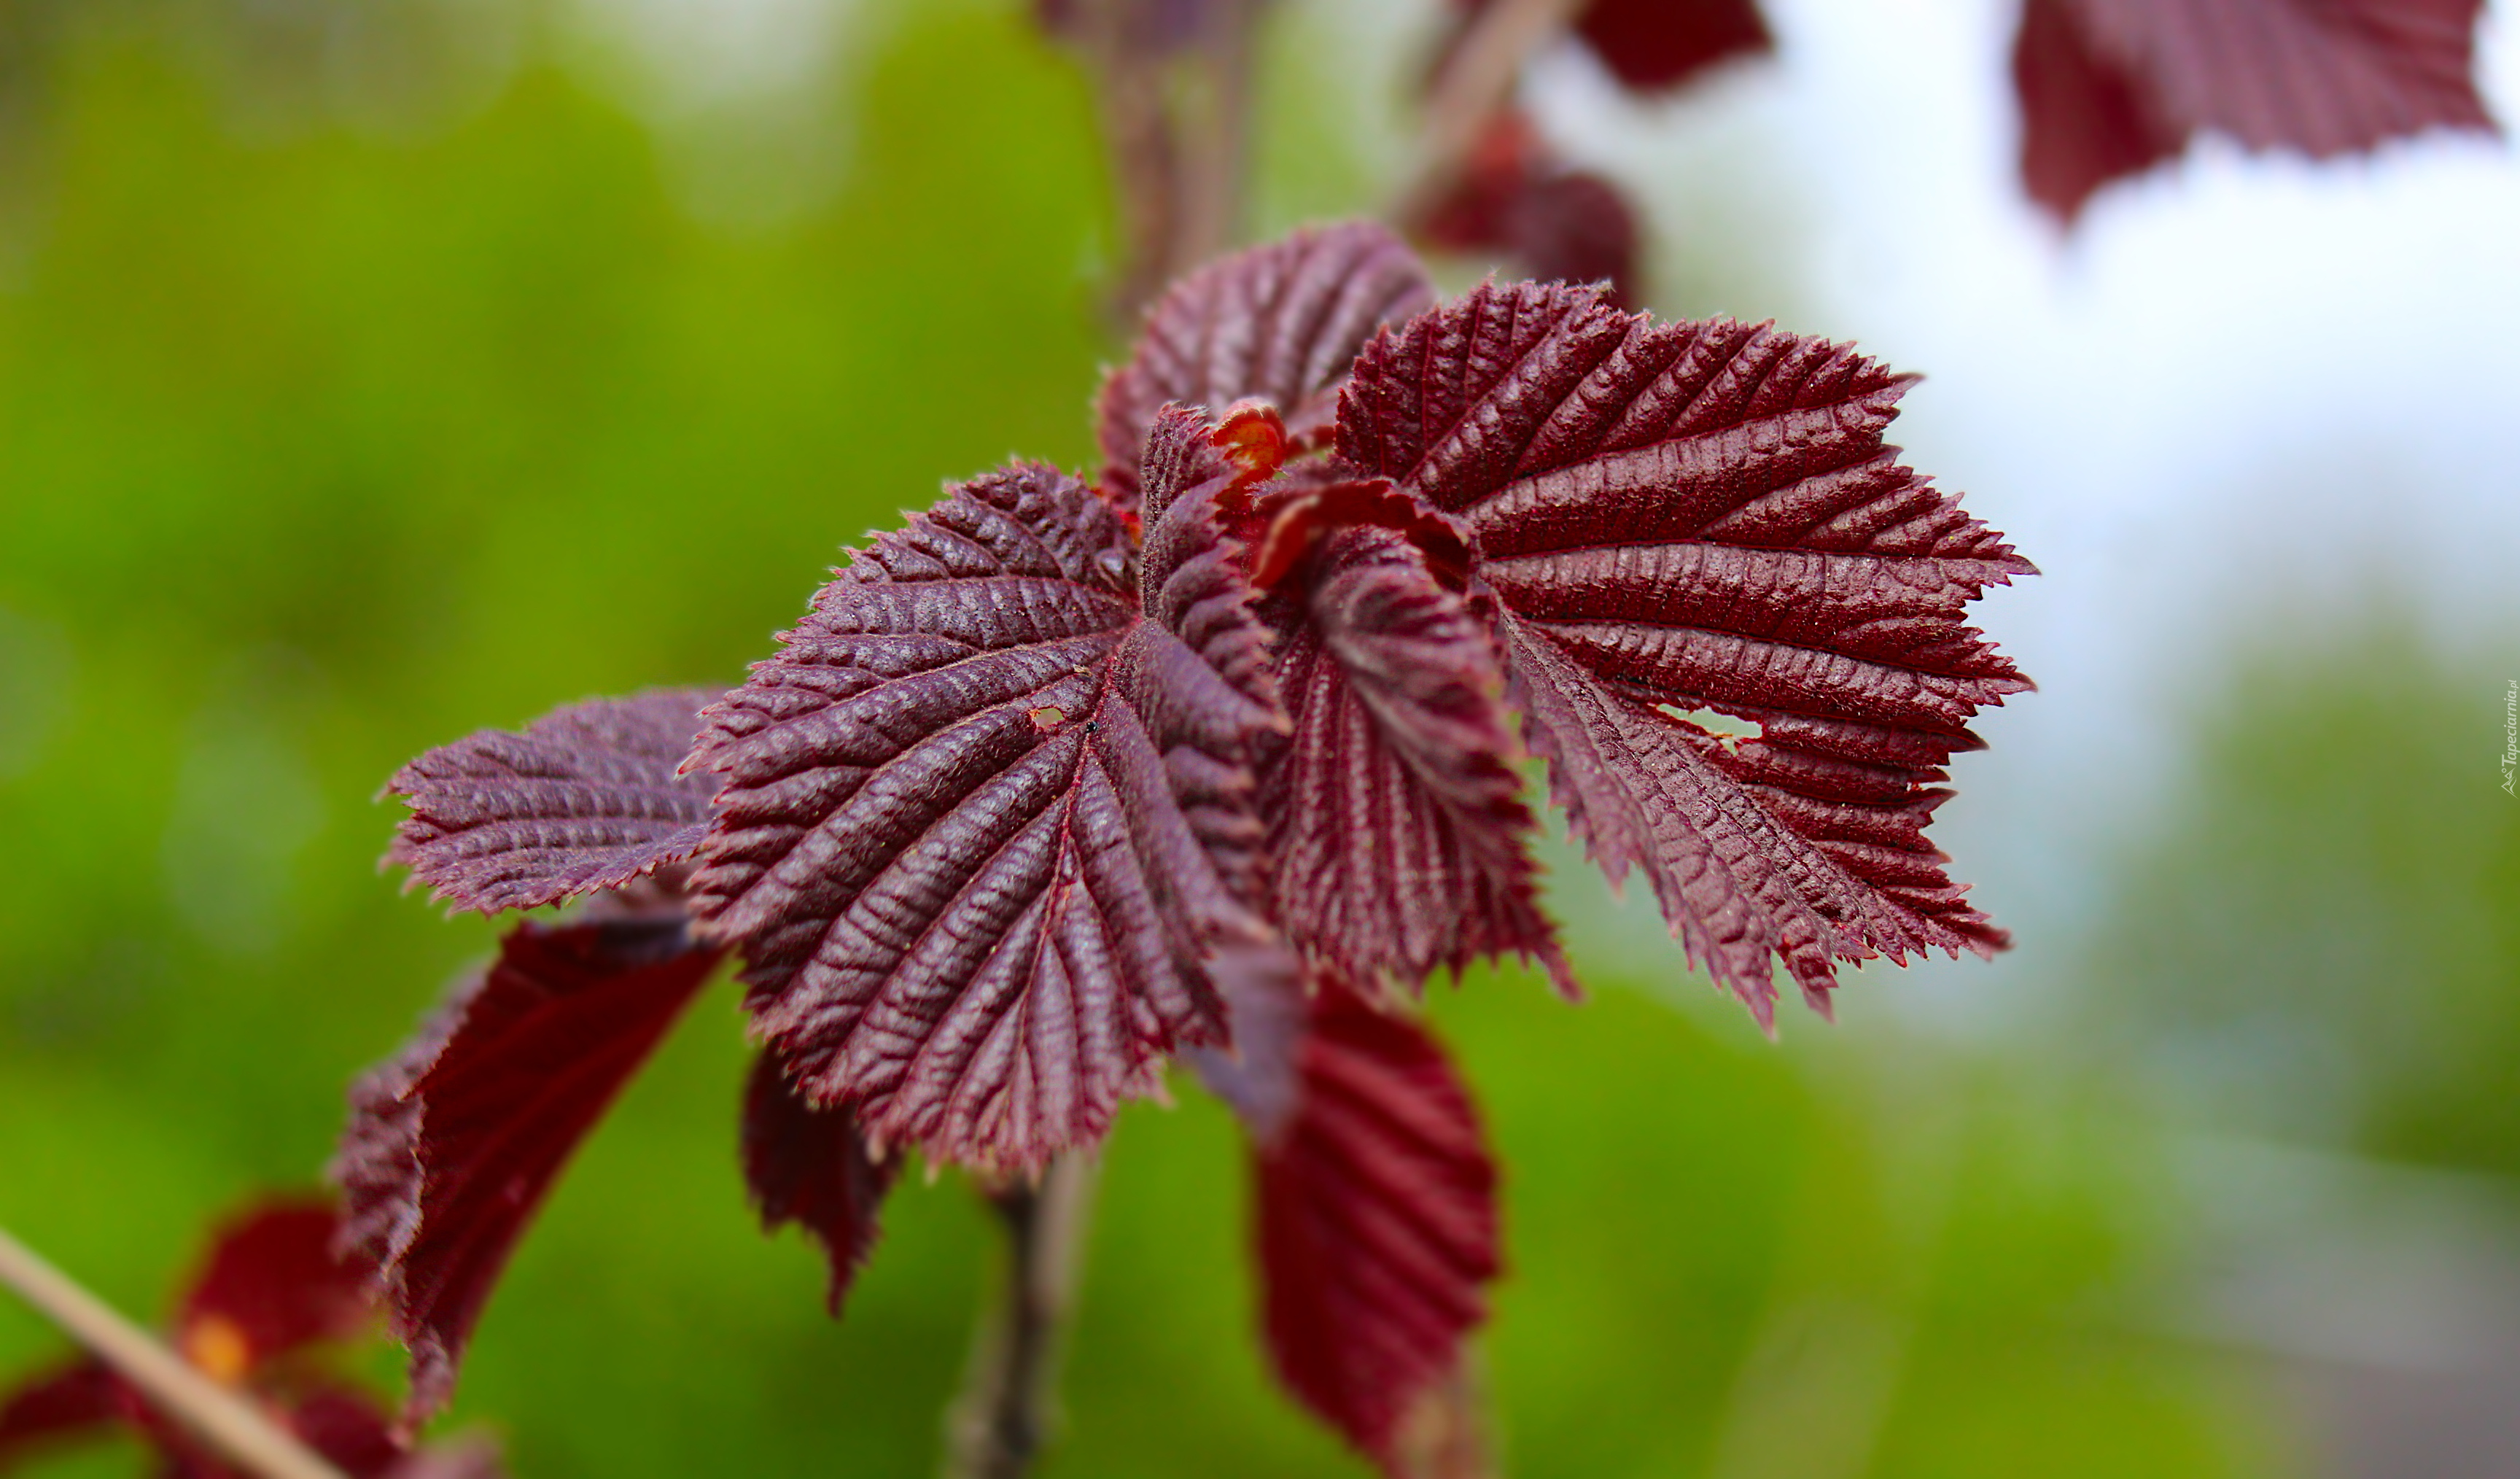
x=1176, y=120
x=1477, y=79
x=230, y=1423
x=1005, y=1413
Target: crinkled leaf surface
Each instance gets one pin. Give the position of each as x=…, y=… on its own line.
x=987, y=810
x=1378, y=1224
x=1279, y=323
x=1703, y=516
x=585, y=798
x=2110, y=87
x=811, y=1167
x=453, y=1145
x=273, y=1283
x=1396, y=821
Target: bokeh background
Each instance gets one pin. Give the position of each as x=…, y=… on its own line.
x=373, y=371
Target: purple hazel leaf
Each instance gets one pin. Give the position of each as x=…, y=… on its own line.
x=453, y=1143
x=1703, y=516
x=1378, y=1222
x=1396, y=823
x=2108, y=89
x=273, y=1283
x=1516, y=197
x=1396, y=820
x=811, y=1167
x=586, y=798
x=988, y=810
x=1279, y=323
x=59, y=1404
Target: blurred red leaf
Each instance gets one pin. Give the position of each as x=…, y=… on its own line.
x=1378, y=1226
x=273, y=1283
x=1650, y=45
x=2110, y=87
x=53, y=1406
x=811, y=1167
x=453, y=1145
x=1517, y=199
x=1654, y=44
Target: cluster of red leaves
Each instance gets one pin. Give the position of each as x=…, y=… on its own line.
x=2107, y=89
x=1217, y=757
x=271, y=1296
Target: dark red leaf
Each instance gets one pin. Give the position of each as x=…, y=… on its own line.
x=1516, y=198
x=348, y=1428
x=1575, y=226
x=1279, y=323
x=1378, y=1224
x=988, y=810
x=810, y=1167
x=1704, y=515
x=2109, y=87
x=1396, y=820
x=1650, y=44
x=585, y=799
x=54, y=1406
x=1266, y=1002
x=1653, y=44
x=272, y=1282
x=2082, y=122
x=454, y=1143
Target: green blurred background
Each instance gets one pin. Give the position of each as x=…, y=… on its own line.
x=373, y=373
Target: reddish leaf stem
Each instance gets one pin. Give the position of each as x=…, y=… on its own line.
x=1478, y=79
x=227, y=1422
x=1009, y=1401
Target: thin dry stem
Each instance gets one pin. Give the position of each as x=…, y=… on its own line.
x=1476, y=81
x=1009, y=1402
x=1177, y=125
x=226, y=1421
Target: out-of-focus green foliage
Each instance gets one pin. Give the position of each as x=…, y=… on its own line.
x=322, y=444
x=2327, y=947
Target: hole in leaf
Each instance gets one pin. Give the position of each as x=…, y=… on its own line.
x=1728, y=730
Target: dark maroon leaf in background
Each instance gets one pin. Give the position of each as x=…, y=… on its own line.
x=1650, y=45
x=273, y=1283
x=1377, y=1225
x=586, y=798
x=453, y=1145
x=1653, y=44
x=348, y=1428
x=810, y=1167
x=987, y=810
x=57, y=1404
x=2110, y=87
x=1704, y=515
x=1279, y=323
x=1517, y=199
